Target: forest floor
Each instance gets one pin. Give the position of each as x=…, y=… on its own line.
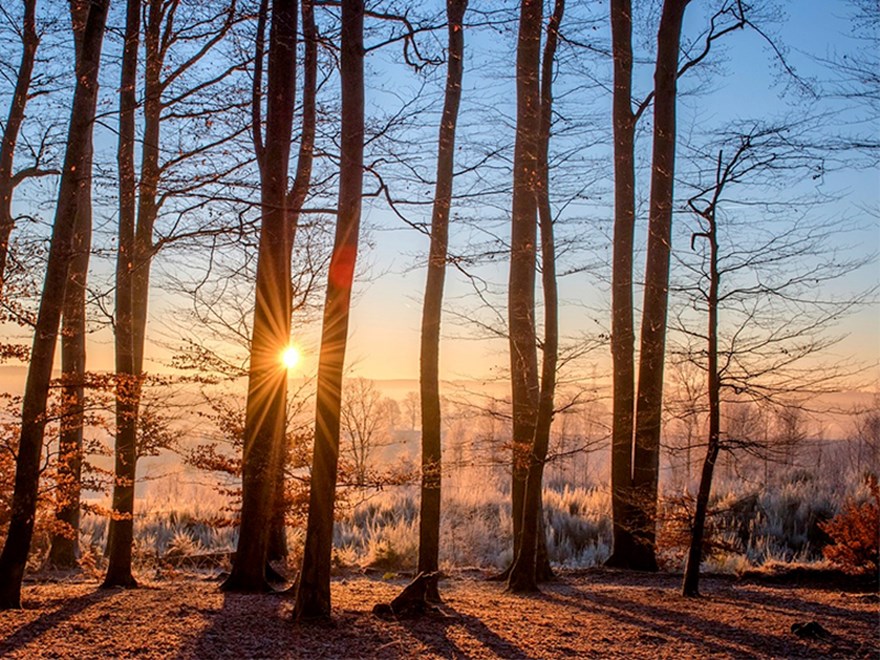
x=595, y=613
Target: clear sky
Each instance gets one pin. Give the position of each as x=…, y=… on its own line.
x=743, y=82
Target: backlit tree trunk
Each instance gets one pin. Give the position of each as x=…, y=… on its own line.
x=646, y=455
x=266, y=419
x=295, y=200
x=521, y=282
x=313, y=593
x=27, y=474
x=120, y=533
x=622, y=334
x=64, y=548
x=429, y=376
x=528, y=566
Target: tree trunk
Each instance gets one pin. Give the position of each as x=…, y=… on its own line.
x=266, y=414
x=526, y=568
x=296, y=197
x=646, y=457
x=73, y=178
x=622, y=334
x=313, y=594
x=29, y=42
x=64, y=548
x=691, y=581
x=521, y=281
x=429, y=376
x=121, y=530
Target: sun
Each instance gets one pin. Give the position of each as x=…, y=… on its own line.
x=290, y=357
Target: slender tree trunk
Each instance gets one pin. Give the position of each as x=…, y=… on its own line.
x=313, y=593
x=295, y=200
x=527, y=569
x=121, y=528
x=29, y=42
x=622, y=334
x=27, y=473
x=64, y=549
x=646, y=457
x=691, y=583
x=266, y=413
x=521, y=282
x=429, y=376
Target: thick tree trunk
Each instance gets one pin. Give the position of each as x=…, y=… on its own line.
x=266, y=415
x=296, y=197
x=521, y=281
x=29, y=42
x=527, y=569
x=27, y=474
x=429, y=375
x=313, y=594
x=646, y=456
x=121, y=529
x=64, y=549
x=622, y=334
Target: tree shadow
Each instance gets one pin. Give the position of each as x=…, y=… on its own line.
x=69, y=608
x=710, y=635
x=433, y=632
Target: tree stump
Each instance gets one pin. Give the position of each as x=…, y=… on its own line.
x=412, y=601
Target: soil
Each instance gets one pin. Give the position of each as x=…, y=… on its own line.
x=597, y=613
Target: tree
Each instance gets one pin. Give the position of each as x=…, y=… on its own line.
x=429, y=369
x=527, y=563
x=265, y=420
x=523, y=240
x=636, y=424
x=766, y=286
x=167, y=97
x=64, y=548
x=313, y=591
x=366, y=420
x=15, y=550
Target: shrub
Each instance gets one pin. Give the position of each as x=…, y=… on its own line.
x=855, y=534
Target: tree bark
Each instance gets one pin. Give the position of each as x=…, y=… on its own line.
x=64, y=548
x=27, y=474
x=121, y=529
x=29, y=42
x=296, y=197
x=266, y=414
x=622, y=333
x=429, y=376
x=521, y=281
x=527, y=569
x=646, y=456
x=313, y=593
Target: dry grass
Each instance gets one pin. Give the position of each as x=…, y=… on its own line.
x=587, y=614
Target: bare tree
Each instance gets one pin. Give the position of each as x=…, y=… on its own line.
x=429, y=369
x=267, y=380
x=313, y=592
x=15, y=550
x=775, y=316
x=528, y=564
x=367, y=419
x=64, y=548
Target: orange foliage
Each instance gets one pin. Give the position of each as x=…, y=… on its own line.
x=855, y=532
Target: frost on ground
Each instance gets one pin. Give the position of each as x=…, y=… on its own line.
x=593, y=613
